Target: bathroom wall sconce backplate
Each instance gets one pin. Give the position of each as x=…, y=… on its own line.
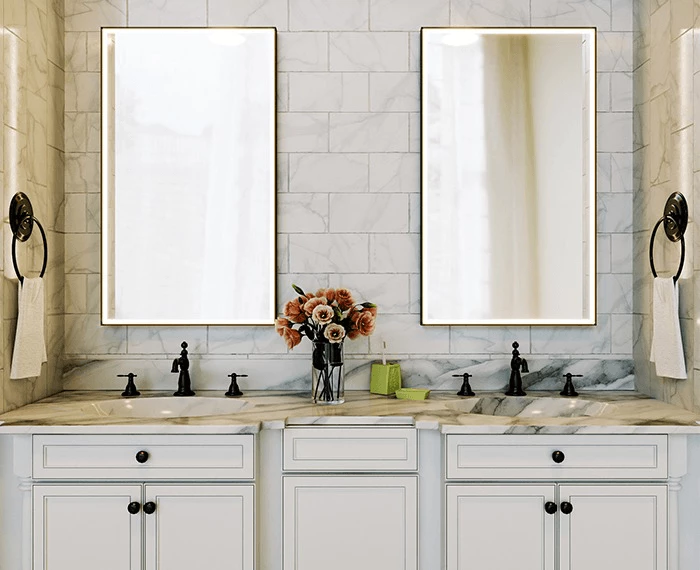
x=675, y=221
x=22, y=224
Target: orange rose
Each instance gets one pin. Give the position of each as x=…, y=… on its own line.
x=312, y=303
x=294, y=310
x=344, y=298
x=364, y=322
x=280, y=324
x=329, y=294
x=291, y=337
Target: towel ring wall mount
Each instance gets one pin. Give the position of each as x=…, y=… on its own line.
x=22, y=224
x=675, y=221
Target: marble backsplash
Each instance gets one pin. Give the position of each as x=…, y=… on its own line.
x=294, y=373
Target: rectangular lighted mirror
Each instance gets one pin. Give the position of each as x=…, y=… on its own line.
x=508, y=176
x=188, y=176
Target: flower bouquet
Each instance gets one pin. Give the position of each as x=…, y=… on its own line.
x=326, y=318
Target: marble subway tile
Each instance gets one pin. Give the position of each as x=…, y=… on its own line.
x=82, y=253
x=614, y=51
x=394, y=92
x=395, y=15
x=660, y=140
x=614, y=212
x=604, y=253
x=248, y=13
x=368, y=213
x=82, y=172
x=322, y=172
x=621, y=91
x=166, y=340
x=394, y=253
x=83, y=91
x=621, y=172
x=615, y=293
x=368, y=51
x=75, y=132
x=490, y=12
x=84, y=335
x=489, y=340
x=302, y=132
x=36, y=139
x=94, y=46
x=603, y=172
x=414, y=132
x=660, y=51
x=603, y=92
x=623, y=15
x=596, y=13
x=414, y=292
x=56, y=107
x=167, y=13
x=76, y=294
x=282, y=172
x=37, y=59
x=93, y=213
x=304, y=51
x=305, y=15
x=621, y=253
x=282, y=253
x=55, y=44
x=75, y=213
x=386, y=290
x=573, y=340
x=369, y=132
x=309, y=283
x=414, y=210
x=282, y=92
x=614, y=132
x=404, y=335
x=414, y=50
x=248, y=340
x=302, y=213
x=93, y=294
x=394, y=172
x=328, y=91
x=93, y=132
x=328, y=253
x=89, y=15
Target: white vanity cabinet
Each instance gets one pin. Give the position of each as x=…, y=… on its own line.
x=142, y=502
x=350, y=499
x=562, y=502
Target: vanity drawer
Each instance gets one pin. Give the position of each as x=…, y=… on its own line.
x=350, y=449
x=168, y=457
x=532, y=457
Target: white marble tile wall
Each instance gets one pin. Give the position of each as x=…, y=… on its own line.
x=31, y=161
x=348, y=183
x=666, y=98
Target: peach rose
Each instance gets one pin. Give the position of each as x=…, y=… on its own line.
x=371, y=310
x=364, y=322
x=334, y=333
x=329, y=294
x=344, y=299
x=323, y=314
x=294, y=310
x=291, y=337
x=312, y=303
x=280, y=324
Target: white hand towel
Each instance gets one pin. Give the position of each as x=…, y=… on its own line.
x=30, y=346
x=666, y=342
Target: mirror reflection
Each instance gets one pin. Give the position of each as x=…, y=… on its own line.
x=508, y=176
x=188, y=176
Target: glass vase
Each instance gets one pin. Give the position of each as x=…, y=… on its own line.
x=327, y=373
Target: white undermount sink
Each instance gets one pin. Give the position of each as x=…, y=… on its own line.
x=529, y=407
x=166, y=407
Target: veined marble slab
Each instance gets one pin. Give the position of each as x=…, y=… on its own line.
x=624, y=412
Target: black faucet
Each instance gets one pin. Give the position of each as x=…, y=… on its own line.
x=182, y=365
x=517, y=364
x=569, y=389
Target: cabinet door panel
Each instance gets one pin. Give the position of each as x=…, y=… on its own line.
x=200, y=526
x=495, y=527
x=614, y=527
x=350, y=523
x=86, y=527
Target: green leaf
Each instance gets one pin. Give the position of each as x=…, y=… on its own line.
x=298, y=289
x=369, y=305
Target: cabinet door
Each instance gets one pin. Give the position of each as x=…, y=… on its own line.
x=86, y=527
x=350, y=523
x=495, y=527
x=200, y=526
x=614, y=527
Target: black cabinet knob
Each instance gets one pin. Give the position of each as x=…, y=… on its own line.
x=550, y=507
x=134, y=507
x=149, y=508
x=566, y=507
x=558, y=456
x=142, y=456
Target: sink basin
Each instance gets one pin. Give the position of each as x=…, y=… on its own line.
x=529, y=407
x=166, y=407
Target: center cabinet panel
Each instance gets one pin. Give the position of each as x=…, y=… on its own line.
x=86, y=527
x=350, y=523
x=499, y=527
x=200, y=526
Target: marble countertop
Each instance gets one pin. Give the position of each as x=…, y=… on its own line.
x=622, y=412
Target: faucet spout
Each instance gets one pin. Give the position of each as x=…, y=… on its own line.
x=184, y=384
x=517, y=364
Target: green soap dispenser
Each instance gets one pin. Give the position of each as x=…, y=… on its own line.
x=385, y=378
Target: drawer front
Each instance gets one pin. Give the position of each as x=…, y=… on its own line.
x=531, y=457
x=82, y=457
x=350, y=449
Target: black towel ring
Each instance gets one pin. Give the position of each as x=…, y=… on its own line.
x=22, y=223
x=675, y=221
